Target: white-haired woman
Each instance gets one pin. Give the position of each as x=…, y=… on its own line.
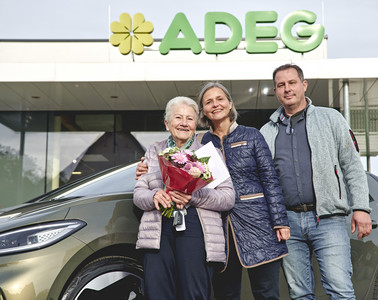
x=180, y=264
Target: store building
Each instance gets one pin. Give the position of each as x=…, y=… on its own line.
x=72, y=108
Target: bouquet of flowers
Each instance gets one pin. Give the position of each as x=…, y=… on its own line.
x=182, y=170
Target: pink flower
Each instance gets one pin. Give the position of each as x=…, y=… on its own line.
x=179, y=158
x=200, y=166
x=188, y=166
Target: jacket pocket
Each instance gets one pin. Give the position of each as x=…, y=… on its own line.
x=338, y=181
x=251, y=196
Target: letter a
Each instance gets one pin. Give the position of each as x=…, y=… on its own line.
x=171, y=41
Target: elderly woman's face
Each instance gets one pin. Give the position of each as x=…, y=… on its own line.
x=182, y=123
x=216, y=105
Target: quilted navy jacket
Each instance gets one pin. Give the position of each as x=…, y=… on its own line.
x=259, y=205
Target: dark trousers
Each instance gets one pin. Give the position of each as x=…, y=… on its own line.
x=264, y=279
x=178, y=270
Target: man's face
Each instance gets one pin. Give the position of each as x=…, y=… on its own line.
x=290, y=90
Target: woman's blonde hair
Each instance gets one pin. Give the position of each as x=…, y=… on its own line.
x=204, y=121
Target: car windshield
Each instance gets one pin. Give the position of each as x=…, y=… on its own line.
x=121, y=180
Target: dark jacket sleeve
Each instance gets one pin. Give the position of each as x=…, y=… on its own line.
x=270, y=182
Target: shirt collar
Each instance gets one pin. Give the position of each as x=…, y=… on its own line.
x=286, y=120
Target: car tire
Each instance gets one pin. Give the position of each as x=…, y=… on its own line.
x=110, y=277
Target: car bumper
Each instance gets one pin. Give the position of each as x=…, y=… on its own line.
x=31, y=275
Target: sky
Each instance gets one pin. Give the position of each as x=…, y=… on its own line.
x=349, y=24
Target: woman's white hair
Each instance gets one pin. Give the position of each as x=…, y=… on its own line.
x=180, y=100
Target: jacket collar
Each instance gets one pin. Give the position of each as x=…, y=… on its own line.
x=275, y=117
x=233, y=126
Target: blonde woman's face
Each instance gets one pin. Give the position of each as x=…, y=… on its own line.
x=216, y=106
x=182, y=123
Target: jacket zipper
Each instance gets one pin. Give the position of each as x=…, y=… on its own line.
x=338, y=181
x=222, y=149
x=312, y=169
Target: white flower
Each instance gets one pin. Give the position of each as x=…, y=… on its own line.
x=165, y=151
x=195, y=172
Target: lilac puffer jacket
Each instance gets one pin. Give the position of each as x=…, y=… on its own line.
x=208, y=202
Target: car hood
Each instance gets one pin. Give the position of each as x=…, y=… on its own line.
x=46, y=211
x=30, y=213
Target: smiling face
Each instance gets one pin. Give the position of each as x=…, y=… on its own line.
x=290, y=91
x=182, y=123
x=216, y=106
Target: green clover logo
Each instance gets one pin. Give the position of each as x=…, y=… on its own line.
x=134, y=38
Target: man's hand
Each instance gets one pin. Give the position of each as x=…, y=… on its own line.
x=141, y=168
x=283, y=234
x=362, y=221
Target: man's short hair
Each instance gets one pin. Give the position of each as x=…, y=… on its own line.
x=285, y=67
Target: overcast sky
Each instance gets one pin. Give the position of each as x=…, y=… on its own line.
x=349, y=24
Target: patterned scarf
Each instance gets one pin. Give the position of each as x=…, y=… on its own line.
x=171, y=142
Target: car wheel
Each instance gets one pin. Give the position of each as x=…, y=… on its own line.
x=110, y=277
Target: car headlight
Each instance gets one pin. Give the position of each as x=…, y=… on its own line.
x=37, y=236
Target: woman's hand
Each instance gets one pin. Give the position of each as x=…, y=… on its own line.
x=181, y=199
x=283, y=234
x=162, y=198
x=141, y=168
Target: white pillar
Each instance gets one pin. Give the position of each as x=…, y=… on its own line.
x=367, y=127
x=346, y=100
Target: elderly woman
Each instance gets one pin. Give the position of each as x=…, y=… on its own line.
x=257, y=226
x=179, y=264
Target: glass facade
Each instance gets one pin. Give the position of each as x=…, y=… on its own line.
x=40, y=151
x=23, y=142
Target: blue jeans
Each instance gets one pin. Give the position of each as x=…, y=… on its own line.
x=330, y=243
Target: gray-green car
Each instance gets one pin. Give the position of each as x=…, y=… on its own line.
x=78, y=242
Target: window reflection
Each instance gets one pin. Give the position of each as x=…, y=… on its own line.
x=40, y=151
x=22, y=156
